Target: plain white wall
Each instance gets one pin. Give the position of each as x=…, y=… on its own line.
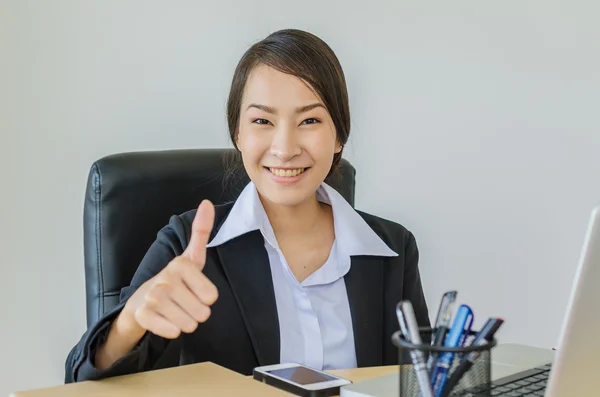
x=475, y=124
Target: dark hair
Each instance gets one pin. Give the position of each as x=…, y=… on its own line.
x=303, y=55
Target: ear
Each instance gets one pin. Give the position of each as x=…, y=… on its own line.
x=237, y=139
x=338, y=147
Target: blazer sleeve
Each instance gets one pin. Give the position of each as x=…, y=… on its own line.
x=402, y=282
x=412, y=290
x=79, y=365
x=412, y=286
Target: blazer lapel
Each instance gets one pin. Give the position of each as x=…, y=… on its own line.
x=364, y=285
x=246, y=265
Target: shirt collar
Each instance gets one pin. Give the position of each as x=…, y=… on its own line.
x=352, y=234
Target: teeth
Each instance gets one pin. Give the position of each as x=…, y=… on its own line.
x=286, y=173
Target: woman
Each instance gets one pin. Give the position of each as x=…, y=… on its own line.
x=290, y=272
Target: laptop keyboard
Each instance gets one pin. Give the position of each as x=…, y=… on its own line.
x=531, y=382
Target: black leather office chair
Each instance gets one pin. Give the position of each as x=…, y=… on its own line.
x=130, y=196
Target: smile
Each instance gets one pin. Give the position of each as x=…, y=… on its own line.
x=286, y=172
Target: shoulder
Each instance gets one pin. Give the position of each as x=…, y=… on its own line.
x=394, y=234
x=180, y=226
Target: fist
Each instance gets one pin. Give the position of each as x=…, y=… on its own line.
x=178, y=298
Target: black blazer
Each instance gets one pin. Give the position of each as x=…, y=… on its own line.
x=243, y=330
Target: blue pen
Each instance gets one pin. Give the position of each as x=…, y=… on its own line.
x=457, y=335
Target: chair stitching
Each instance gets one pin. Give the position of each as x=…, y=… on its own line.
x=99, y=239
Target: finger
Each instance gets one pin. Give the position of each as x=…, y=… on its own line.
x=201, y=228
x=155, y=323
x=160, y=301
x=189, y=302
x=177, y=315
x=199, y=284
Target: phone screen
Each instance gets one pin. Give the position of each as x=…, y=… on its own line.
x=301, y=375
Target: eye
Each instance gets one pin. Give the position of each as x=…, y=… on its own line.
x=312, y=120
x=261, y=121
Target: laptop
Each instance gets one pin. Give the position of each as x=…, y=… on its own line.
x=573, y=368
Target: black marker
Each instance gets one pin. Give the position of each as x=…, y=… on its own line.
x=484, y=336
x=442, y=325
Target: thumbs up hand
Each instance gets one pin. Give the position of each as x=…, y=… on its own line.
x=179, y=297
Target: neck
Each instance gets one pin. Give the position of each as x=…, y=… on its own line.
x=294, y=220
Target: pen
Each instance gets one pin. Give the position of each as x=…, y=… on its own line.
x=410, y=329
x=442, y=323
x=462, y=323
x=484, y=336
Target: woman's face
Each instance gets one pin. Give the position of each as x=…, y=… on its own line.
x=286, y=137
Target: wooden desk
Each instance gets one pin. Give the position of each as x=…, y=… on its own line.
x=358, y=374
x=207, y=379
x=197, y=380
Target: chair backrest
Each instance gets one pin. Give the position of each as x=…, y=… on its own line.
x=131, y=196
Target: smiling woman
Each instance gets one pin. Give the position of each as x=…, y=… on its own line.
x=284, y=128
x=288, y=114
x=289, y=272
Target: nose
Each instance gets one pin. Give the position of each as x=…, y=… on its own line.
x=285, y=144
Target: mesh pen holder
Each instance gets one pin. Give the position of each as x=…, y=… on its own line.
x=476, y=380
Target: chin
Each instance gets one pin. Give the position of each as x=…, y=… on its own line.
x=286, y=196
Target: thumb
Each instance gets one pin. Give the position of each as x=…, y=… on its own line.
x=201, y=228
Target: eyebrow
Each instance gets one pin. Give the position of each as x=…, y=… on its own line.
x=272, y=110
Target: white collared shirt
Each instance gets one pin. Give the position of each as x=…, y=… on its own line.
x=315, y=324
